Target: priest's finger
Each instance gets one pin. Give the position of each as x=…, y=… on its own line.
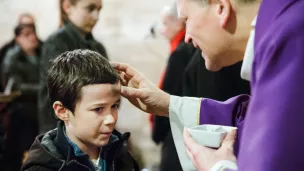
x=190, y=144
x=121, y=67
x=228, y=142
x=129, y=92
x=189, y=154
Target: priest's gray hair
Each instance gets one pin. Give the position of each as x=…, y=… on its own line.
x=171, y=10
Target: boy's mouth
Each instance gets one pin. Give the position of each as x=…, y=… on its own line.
x=107, y=134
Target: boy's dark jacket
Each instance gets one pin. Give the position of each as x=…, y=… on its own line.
x=59, y=154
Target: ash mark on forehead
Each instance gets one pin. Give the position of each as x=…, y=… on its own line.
x=116, y=88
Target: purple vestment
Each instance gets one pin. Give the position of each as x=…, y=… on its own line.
x=271, y=138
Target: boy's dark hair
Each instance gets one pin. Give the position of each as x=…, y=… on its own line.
x=72, y=70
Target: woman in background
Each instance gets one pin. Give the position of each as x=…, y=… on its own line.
x=20, y=71
x=77, y=18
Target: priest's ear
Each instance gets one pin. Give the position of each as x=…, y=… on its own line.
x=223, y=9
x=61, y=112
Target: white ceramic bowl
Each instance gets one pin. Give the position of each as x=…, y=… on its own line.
x=210, y=135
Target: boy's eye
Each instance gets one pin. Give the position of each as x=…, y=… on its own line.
x=98, y=109
x=116, y=106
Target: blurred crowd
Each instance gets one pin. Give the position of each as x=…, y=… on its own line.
x=25, y=60
x=24, y=64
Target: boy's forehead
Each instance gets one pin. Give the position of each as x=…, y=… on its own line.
x=96, y=94
x=100, y=91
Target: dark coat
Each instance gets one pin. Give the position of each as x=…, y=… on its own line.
x=22, y=113
x=52, y=152
x=67, y=38
x=172, y=84
x=3, y=51
x=23, y=69
x=221, y=85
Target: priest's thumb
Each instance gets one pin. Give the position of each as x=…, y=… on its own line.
x=129, y=92
x=229, y=140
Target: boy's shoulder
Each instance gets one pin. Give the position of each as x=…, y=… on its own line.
x=51, y=151
x=37, y=168
x=44, y=153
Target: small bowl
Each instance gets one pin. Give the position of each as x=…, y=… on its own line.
x=210, y=135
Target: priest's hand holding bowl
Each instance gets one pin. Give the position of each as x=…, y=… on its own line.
x=205, y=158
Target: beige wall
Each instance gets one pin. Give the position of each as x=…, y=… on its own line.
x=122, y=28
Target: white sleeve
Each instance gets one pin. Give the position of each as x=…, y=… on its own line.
x=183, y=112
x=223, y=165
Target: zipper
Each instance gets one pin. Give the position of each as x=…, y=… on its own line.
x=114, y=157
x=113, y=165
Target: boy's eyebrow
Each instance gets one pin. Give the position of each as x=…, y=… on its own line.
x=101, y=104
x=92, y=5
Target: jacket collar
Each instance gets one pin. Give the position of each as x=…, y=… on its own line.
x=246, y=69
x=67, y=150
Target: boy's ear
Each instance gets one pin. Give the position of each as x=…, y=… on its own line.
x=61, y=112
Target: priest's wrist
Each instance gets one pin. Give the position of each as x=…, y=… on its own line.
x=163, y=104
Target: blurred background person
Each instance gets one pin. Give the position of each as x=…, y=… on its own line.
x=24, y=18
x=122, y=28
x=173, y=30
x=20, y=69
x=77, y=19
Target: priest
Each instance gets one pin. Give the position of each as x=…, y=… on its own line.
x=268, y=35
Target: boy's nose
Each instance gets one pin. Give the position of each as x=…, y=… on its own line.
x=109, y=119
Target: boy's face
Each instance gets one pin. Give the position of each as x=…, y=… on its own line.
x=95, y=114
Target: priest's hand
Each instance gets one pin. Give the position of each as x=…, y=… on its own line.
x=141, y=92
x=204, y=158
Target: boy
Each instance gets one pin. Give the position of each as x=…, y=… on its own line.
x=85, y=92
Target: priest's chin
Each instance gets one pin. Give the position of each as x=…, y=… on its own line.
x=212, y=66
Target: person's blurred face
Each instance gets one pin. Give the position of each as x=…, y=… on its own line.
x=206, y=28
x=27, y=20
x=27, y=39
x=171, y=26
x=95, y=114
x=84, y=14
